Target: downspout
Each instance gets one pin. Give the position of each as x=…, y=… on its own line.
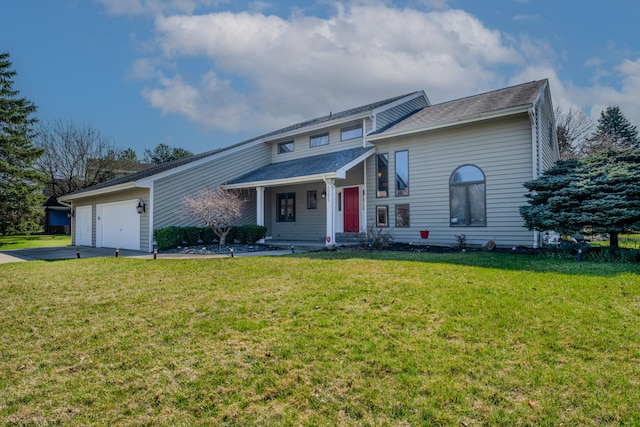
x=535, y=154
x=364, y=189
x=151, y=205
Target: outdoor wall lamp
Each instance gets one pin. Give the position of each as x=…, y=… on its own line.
x=323, y=194
x=141, y=206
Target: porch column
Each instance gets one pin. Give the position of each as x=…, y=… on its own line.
x=260, y=208
x=330, y=239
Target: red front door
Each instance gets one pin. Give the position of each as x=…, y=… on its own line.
x=351, y=210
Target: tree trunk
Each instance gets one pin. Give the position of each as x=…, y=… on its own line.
x=613, y=241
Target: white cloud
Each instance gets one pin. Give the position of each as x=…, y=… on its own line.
x=296, y=68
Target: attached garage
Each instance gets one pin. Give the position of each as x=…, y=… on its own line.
x=118, y=225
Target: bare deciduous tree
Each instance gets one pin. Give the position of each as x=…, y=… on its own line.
x=573, y=128
x=219, y=209
x=76, y=157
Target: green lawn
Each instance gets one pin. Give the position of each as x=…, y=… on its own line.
x=321, y=339
x=33, y=241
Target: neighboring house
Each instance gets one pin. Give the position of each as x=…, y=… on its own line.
x=400, y=164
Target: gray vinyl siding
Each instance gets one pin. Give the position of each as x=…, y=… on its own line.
x=169, y=191
x=394, y=114
x=501, y=148
x=548, y=140
x=310, y=224
x=116, y=197
x=303, y=149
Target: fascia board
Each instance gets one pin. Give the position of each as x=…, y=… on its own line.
x=283, y=181
x=442, y=125
x=99, y=192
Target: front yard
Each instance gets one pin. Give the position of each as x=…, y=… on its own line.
x=33, y=241
x=321, y=339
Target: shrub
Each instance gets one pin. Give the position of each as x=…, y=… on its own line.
x=168, y=237
x=208, y=235
x=379, y=238
x=250, y=234
x=191, y=235
x=232, y=236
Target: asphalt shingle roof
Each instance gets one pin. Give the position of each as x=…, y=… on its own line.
x=472, y=106
x=315, y=165
x=298, y=126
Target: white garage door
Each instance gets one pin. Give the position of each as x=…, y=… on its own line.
x=118, y=225
x=83, y=225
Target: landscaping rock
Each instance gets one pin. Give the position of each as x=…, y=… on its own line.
x=489, y=246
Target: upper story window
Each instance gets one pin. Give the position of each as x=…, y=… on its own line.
x=351, y=132
x=285, y=147
x=318, y=140
x=467, y=198
x=382, y=175
x=402, y=173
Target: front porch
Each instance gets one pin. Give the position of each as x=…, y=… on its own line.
x=311, y=200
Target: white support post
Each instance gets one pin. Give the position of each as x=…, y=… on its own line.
x=331, y=210
x=260, y=207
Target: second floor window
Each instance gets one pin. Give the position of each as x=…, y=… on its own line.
x=402, y=173
x=382, y=175
x=318, y=140
x=351, y=132
x=285, y=147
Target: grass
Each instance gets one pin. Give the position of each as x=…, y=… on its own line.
x=321, y=339
x=33, y=241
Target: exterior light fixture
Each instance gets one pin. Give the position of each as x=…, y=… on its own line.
x=141, y=206
x=323, y=194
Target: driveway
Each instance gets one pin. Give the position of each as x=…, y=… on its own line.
x=71, y=252
x=63, y=252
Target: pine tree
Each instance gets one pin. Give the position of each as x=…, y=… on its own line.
x=600, y=192
x=613, y=131
x=20, y=184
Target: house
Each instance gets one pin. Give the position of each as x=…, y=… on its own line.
x=401, y=164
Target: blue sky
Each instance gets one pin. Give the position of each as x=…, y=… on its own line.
x=201, y=74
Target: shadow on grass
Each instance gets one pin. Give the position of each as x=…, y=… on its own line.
x=538, y=262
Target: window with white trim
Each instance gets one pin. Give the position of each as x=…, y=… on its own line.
x=467, y=198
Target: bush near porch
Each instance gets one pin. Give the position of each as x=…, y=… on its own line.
x=172, y=237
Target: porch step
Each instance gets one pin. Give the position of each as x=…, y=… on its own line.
x=346, y=237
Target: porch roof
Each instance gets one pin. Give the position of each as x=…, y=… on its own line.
x=307, y=169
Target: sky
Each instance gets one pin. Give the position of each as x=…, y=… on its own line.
x=203, y=74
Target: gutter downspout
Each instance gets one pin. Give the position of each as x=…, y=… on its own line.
x=535, y=154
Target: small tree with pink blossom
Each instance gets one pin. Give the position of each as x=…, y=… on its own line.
x=219, y=209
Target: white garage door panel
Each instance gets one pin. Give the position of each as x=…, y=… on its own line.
x=83, y=225
x=118, y=225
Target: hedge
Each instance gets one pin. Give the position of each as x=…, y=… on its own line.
x=172, y=237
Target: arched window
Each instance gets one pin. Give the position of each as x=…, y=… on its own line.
x=467, y=197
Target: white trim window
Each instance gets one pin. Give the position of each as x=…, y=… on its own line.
x=467, y=197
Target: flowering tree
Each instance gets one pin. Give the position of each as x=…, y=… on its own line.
x=219, y=209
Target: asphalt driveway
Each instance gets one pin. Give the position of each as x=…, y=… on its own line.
x=72, y=252
x=63, y=252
